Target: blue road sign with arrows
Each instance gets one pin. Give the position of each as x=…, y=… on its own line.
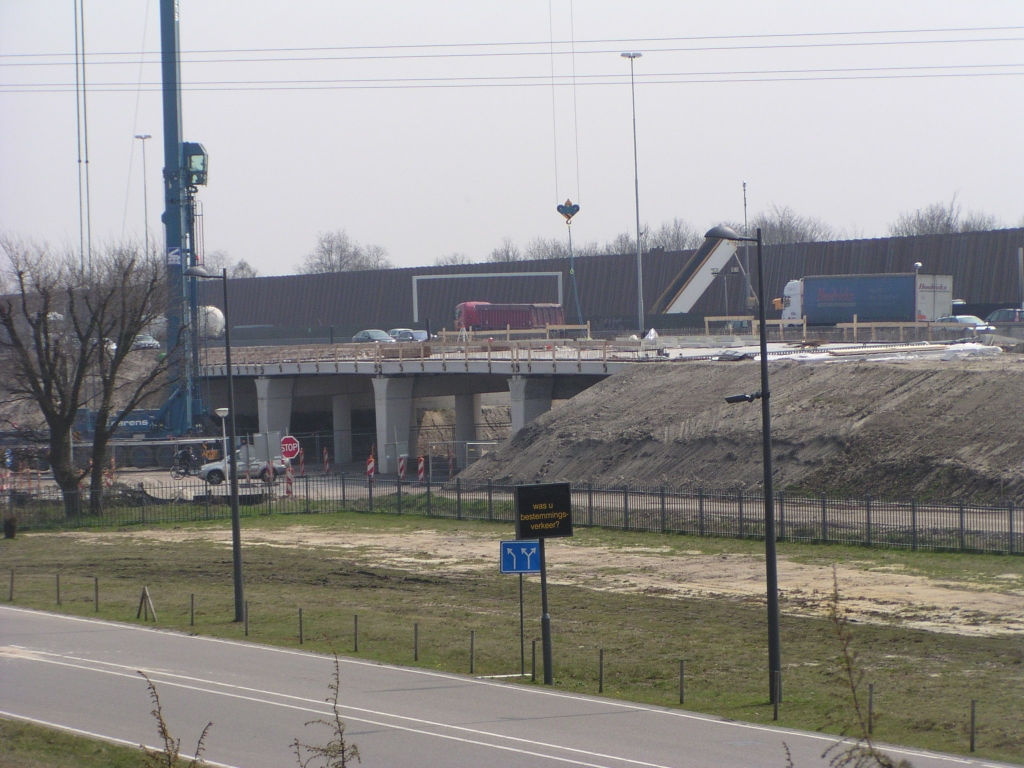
x=520, y=556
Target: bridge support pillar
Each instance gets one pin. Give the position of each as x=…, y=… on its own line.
x=274, y=403
x=467, y=416
x=393, y=402
x=342, y=408
x=530, y=397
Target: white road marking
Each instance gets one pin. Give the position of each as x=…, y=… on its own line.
x=100, y=736
x=502, y=686
x=322, y=710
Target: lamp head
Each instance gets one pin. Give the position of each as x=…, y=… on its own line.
x=631, y=55
x=221, y=412
x=198, y=270
x=722, y=232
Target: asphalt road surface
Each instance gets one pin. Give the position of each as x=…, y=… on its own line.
x=81, y=674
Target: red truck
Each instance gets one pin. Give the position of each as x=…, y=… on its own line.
x=484, y=316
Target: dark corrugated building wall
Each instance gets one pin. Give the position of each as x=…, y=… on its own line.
x=984, y=266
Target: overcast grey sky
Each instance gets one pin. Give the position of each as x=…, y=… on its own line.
x=428, y=128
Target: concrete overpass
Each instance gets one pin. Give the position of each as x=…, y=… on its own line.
x=392, y=378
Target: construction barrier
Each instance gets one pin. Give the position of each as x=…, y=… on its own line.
x=421, y=470
x=327, y=464
x=371, y=467
x=289, y=480
x=401, y=467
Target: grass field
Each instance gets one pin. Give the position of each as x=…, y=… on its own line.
x=923, y=681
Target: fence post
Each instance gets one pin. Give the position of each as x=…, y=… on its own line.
x=664, y=526
x=962, y=537
x=867, y=509
x=871, y=708
x=369, y=487
x=590, y=505
x=398, y=487
x=913, y=523
x=458, y=499
x=824, y=517
x=1010, y=510
x=700, y=511
x=625, y=507
x=490, y=500
x=973, y=703
x=739, y=499
x=429, y=510
x=305, y=481
x=782, y=516
x=343, y=503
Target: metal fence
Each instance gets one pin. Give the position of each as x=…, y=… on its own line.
x=866, y=521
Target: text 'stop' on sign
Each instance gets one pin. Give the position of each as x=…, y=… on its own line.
x=543, y=511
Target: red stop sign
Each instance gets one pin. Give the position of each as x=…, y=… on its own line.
x=289, y=447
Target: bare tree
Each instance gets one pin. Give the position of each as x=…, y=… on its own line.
x=63, y=321
x=557, y=248
x=219, y=260
x=452, y=259
x=941, y=219
x=508, y=251
x=243, y=268
x=675, y=235
x=625, y=242
x=337, y=252
x=784, y=225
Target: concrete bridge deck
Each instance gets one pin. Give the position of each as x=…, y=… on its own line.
x=392, y=378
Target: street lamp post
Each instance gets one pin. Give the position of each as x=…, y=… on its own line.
x=633, y=56
x=145, y=197
x=236, y=527
x=771, y=564
x=222, y=413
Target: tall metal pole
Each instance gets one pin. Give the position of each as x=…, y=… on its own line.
x=771, y=566
x=545, y=618
x=746, y=252
x=145, y=194
x=636, y=190
x=236, y=525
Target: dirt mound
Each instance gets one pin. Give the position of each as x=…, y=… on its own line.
x=932, y=429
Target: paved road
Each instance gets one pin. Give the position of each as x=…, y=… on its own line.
x=81, y=674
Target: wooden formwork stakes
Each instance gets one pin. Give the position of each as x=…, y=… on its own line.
x=145, y=605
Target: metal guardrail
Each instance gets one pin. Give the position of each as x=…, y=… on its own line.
x=864, y=521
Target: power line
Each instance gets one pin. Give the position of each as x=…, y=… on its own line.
x=506, y=54
x=541, y=43
x=725, y=76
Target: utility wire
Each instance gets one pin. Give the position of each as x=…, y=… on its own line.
x=506, y=54
x=538, y=43
x=723, y=76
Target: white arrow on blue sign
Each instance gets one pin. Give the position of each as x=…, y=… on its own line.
x=520, y=556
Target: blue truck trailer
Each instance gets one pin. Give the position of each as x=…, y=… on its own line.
x=885, y=298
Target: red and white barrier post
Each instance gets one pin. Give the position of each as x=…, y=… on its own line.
x=421, y=470
x=401, y=467
x=302, y=463
x=289, y=479
x=327, y=464
x=371, y=468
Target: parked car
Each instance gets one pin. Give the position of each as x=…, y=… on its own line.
x=968, y=321
x=1005, y=316
x=407, y=334
x=373, y=335
x=215, y=472
x=145, y=341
